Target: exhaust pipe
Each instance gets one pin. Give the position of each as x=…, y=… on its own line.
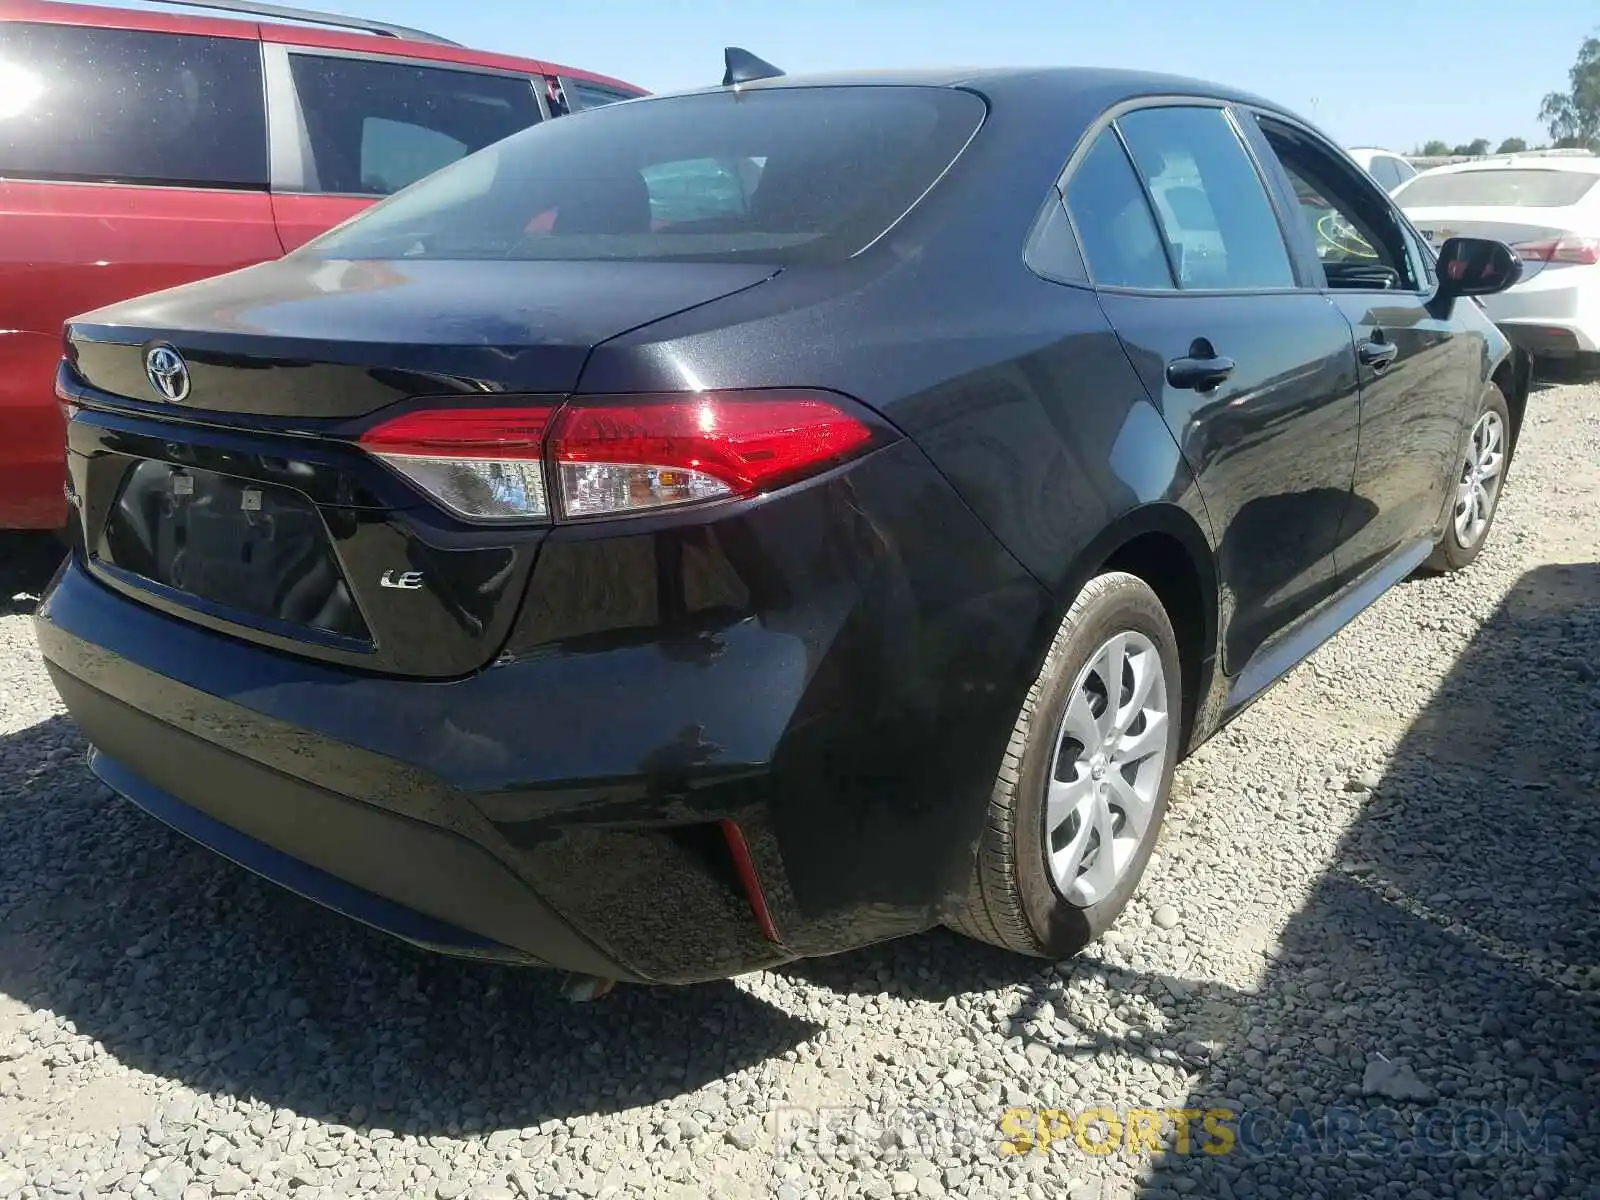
x=580, y=988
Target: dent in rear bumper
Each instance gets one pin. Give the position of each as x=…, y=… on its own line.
x=837, y=668
x=379, y=824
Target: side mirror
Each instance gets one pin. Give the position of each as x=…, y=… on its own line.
x=1476, y=267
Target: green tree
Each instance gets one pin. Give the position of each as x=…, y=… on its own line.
x=1512, y=146
x=1434, y=149
x=1573, y=116
x=1474, y=147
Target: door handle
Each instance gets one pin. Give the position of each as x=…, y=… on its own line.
x=1378, y=354
x=1199, y=373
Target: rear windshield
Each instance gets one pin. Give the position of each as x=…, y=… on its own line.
x=1531, y=188
x=773, y=175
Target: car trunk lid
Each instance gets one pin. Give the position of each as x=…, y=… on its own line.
x=310, y=338
x=246, y=504
x=1513, y=226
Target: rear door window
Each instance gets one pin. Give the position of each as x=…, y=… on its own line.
x=373, y=127
x=1113, y=220
x=131, y=106
x=1212, y=204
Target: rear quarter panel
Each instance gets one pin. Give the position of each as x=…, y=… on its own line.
x=1021, y=394
x=1022, y=399
x=1016, y=387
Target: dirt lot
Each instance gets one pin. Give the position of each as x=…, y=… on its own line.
x=1375, y=902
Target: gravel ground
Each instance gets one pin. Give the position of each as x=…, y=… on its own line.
x=1375, y=903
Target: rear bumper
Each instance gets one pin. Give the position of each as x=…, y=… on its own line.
x=838, y=690
x=296, y=812
x=422, y=881
x=1556, y=312
x=1551, y=338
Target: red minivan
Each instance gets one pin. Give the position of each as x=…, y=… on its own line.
x=141, y=150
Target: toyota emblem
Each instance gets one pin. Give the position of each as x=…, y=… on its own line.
x=167, y=372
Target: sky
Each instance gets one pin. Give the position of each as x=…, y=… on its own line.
x=1391, y=73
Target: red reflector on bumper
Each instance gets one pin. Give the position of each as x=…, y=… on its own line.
x=739, y=851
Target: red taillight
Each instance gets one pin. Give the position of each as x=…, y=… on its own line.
x=1569, y=249
x=65, y=400
x=491, y=433
x=613, y=455
x=631, y=453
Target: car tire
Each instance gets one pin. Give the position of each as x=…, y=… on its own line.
x=1023, y=895
x=1464, y=533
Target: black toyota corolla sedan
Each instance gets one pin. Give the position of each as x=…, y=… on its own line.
x=735, y=526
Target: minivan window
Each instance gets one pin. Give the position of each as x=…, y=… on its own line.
x=1212, y=204
x=773, y=175
x=376, y=127
x=129, y=106
x=395, y=154
x=1113, y=220
x=1511, y=187
x=583, y=94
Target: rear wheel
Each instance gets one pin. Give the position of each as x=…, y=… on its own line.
x=1481, y=474
x=1083, y=788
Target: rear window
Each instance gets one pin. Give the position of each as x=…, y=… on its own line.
x=773, y=175
x=127, y=106
x=1507, y=188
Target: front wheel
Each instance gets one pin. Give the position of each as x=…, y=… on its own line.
x=1082, y=790
x=1478, y=485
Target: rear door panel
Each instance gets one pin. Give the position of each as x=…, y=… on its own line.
x=1273, y=448
x=1180, y=235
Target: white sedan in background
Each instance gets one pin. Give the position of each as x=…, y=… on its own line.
x=1548, y=210
x=1387, y=167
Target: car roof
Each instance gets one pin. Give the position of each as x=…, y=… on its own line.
x=1113, y=82
x=220, y=24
